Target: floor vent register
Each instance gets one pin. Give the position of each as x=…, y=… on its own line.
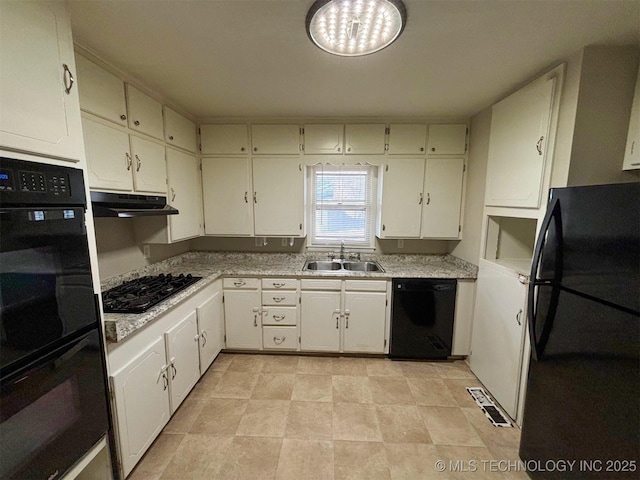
x=495, y=416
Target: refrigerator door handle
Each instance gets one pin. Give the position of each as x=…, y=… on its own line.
x=553, y=214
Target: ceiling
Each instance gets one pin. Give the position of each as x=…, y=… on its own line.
x=252, y=58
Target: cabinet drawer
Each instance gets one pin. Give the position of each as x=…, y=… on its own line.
x=279, y=316
x=279, y=297
x=366, y=285
x=240, y=283
x=315, y=284
x=279, y=338
x=279, y=283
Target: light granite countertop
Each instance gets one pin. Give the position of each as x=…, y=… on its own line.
x=212, y=265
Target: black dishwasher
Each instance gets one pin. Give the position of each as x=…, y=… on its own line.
x=422, y=313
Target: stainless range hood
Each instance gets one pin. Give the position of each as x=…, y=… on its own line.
x=127, y=205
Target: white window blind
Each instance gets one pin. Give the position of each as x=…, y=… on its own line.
x=342, y=205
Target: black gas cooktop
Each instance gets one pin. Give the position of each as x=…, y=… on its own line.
x=139, y=295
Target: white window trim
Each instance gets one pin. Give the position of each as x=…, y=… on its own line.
x=309, y=211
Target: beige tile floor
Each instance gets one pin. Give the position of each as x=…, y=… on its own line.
x=298, y=417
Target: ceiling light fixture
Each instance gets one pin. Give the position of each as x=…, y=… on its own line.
x=351, y=28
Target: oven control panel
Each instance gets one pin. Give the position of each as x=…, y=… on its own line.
x=28, y=182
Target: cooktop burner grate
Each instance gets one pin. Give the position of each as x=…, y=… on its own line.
x=139, y=295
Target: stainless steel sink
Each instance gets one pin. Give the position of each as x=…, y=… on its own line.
x=362, y=266
x=337, y=265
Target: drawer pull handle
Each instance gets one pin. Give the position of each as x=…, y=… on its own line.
x=278, y=318
x=278, y=285
x=240, y=283
x=278, y=299
x=279, y=340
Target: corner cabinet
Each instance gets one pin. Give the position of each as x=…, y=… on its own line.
x=179, y=131
x=39, y=96
x=518, y=142
x=211, y=327
x=183, y=174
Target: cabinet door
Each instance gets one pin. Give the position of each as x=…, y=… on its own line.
x=101, y=92
x=447, y=139
x=323, y=139
x=632, y=151
x=183, y=358
x=242, y=319
x=498, y=333
x=364, y=323
x=278, y=186
x=401, y=209
x=149, y=166
x=442, y=198
x=365, y=139
x=142, y=402
x=320, y=321
x=40, y=107
x=109, y=162
x=517, y=146
x=211, y=330
x=275, y=139
x=145, y=113
x=228, y=196
x=179, y=131
x=183, y=174
x=224, y=139
x=407, y=139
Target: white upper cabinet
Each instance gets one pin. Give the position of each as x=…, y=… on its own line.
x=278, y=185
x=101, y=92
x=517, y=146
x=109, y=161
x=407, y=139
x=447, y=139
x=145, y=113
x=228, y=196
x=38, y=94
x=224, y=139
x=323, y=139
x=275, y=139
x=183, y=175
x=366, y=139
x=442, y=198
x=179, y=131
x=401, y=198
x=149, y=166
x=632, y=151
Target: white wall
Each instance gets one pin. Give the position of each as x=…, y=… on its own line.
x=118, y=251
x=469, y=247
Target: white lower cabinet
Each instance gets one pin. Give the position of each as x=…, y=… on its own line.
x=344, y=316
x=242, y=301
x=499, y=332
x=211, y=328
x=183, y=360
x=365, y=317
x=154, y=371
x=320, y=321
x=142, y=403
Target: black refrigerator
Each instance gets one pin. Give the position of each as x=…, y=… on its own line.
x=583, y=389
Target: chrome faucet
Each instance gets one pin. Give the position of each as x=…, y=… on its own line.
x=342, y=250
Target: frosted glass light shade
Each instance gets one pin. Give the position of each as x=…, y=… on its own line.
x=352, y=28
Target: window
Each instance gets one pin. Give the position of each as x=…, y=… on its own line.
x=341, y=205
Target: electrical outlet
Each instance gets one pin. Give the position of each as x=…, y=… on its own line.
x=146, y=251
x=400, y=243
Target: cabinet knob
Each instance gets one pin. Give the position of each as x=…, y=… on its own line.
x=422, y=149
x=170, y=137
x=242, y=149
x=255, y=149
x=123, y=117
x=136, y=123
x=433, y=149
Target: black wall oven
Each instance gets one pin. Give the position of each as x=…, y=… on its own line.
x=53, y=404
